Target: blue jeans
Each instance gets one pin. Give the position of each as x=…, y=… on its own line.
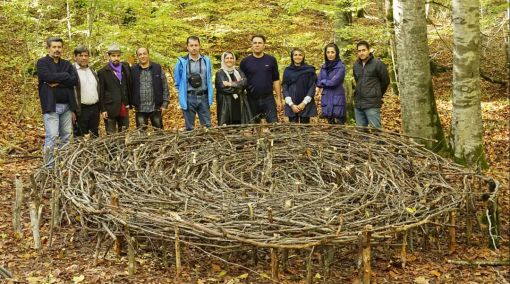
x=57, y=125
x=197, y=105
x=368, y=116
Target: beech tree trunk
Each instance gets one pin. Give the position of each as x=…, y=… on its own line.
x=467, y=132
x=418, y=106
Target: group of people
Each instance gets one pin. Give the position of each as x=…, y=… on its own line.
x=74, y=97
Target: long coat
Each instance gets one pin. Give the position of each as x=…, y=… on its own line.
x=112, y=92
x=225, y=99
x=333, y=93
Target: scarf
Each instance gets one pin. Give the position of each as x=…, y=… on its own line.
x=293, y=72
x=329, y=65
x=117, y=70
x=229, y=70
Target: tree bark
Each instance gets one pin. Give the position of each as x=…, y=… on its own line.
x=467, y=132
x=419, y=113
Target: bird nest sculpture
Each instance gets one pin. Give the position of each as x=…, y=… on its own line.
x=270, y=186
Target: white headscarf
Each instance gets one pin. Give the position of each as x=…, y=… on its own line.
x=229, y=70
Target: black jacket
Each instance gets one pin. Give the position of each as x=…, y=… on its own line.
x=157, y=85
x=111, y=91
x=372, y=81
x=77, y=89
x=226, y=103
x=62, y=73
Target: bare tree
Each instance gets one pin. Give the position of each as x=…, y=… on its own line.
x=419, y=112
x=467, y=132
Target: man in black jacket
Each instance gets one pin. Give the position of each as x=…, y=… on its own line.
x=87, y=94
x=114, y=91
x=150, y=90
x=57, y=78
x=372, y=81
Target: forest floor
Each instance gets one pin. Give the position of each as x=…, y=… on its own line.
x=71, y=258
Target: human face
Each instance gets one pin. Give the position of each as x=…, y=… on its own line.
x=229, y=60
x=257, y=45
x=143, y=56
x=114, y=58
x=363, y=53
x=331, y=53
x=82, y=59
x=193, y=47
x=55, y=50
x=297, y=56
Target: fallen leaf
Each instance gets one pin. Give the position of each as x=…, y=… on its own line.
x=436, y=273
x=215, y=267
x=421, y=280
x=243, y=276
x=78, y=279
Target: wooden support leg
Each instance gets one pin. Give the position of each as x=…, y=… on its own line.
x=365, y=272
x=451, y=232
x=177, y=253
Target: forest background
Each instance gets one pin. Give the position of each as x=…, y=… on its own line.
x=163, y=27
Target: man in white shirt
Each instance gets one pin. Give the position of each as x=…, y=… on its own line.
x=87, y=94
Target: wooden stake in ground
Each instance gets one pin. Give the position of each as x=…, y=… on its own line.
x=35, y=213
x=365, y=271
x=131, y=253
x=18, y=201
x=177, y=253
x=309, y=276
x=451, y=232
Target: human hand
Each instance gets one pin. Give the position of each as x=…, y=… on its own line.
x=104, y=114
x=295, y=109
x=53, y=85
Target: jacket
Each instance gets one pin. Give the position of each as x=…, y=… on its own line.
x=181, y=80
x=372, y=81
x=111, y=91
x=157, y=85
x=333, y=93
x=62, y=73
x=225, y=100
x=77, y=89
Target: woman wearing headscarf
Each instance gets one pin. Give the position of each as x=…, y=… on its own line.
x=231, y=101
x=299, y=88
x=330, y=85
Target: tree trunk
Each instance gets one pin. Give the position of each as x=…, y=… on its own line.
x=508, y=49
x=342, y=39
x=419, y=113
x=467, y=131
x=388, y=8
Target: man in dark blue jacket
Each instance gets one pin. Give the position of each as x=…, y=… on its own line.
x=150, y=90
x=57, y=78
x=372, y=81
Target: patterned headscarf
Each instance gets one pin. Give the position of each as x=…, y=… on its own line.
x=229, y=70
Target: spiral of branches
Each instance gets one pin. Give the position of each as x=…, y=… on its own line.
x=271, y=186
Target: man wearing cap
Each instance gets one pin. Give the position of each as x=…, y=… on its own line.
x=57, y=78
x=114, y=91
x=150, y=90
x=193, y=80
x=87, y=94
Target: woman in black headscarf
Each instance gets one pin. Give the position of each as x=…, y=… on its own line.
x=299, y=88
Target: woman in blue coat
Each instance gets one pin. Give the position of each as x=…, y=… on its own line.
x=330, y=85
x=299, y=88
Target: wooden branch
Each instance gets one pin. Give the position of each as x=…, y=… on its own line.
x=504, y=262
x=18, y=201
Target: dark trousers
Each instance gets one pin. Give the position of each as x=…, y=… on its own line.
x=88, y=121
x=263, y=108
x=299, y=119
x=116, y=124
x=336, y=120
x=142, y=119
